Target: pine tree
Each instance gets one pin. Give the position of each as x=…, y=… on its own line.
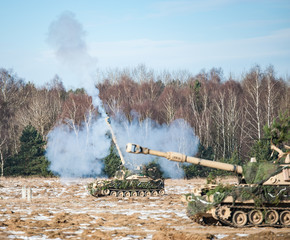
x=31, y=158
x=261, y=151
x=152, y=170
x=278, y=133
x=112, y=162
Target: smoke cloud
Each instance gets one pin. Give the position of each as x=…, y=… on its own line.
x=177, y=137
x=78, y=154
x=66, y=36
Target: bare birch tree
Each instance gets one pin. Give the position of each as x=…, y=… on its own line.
x=252, y=85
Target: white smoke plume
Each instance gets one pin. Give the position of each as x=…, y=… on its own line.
x=177, y=137
x=76, y=154
x=66, y=36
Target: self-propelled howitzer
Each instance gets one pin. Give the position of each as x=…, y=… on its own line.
x=125, y=183
x=261, y=198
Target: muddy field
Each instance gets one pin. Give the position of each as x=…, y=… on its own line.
x=63, y=209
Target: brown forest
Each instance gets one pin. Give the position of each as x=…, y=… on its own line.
x=227, y=114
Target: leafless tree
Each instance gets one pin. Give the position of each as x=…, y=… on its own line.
x=252, y=85
x=273, y=92
x=168, y=104
x=77, y=110
x=42, y=107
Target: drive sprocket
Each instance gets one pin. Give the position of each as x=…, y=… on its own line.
x=224, y=212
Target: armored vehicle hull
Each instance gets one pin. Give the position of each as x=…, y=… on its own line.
x=130, y=187
x=241, y=206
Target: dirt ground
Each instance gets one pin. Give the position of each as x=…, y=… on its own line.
x=63, y=209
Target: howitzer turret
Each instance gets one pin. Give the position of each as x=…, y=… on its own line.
x=261, y=199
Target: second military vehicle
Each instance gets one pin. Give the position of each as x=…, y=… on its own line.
x=261, y=198
x=126, y=184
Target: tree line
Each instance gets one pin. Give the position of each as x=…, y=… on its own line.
x=227, y=114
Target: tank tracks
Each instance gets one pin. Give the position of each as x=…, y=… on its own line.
x=252, y=216
x=133, y=193
x=245, y=216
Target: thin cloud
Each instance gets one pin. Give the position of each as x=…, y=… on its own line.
x=168, y=8
x=188, y=55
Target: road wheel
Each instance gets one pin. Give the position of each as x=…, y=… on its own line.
x=155, y=193
x=161, y=192
x=189, y=198
x=148, y=193
x=142, y=194
x=240, y=218
x=107, y=192
x=134, y=194
x=120, y=194
x=113, y=193
x=271, y=217
x=256, y=217
x=127, y=194
x=285, y=218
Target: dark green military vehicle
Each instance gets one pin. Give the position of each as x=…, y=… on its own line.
x=124, y=184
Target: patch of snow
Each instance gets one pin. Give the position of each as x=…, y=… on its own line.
x=159, y=217
x=177, y=190
x=153, y=205
x=221, y=236
x=79, y=231
x=112, y=228
x=128, y=237
x=42, y=218
x=16, y=232
x=16, y=236
x=149, y=236
x=84, y=224
x=242, y=234
x=178, y=227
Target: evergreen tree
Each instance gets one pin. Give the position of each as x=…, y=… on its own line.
x=112, y=162
x=261, y=150
x=278, y=133
x=31, y=158
x=152, y=170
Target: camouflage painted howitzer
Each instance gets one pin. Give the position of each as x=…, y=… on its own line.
x=261, y=198
x=126, y=186
x=132, y=186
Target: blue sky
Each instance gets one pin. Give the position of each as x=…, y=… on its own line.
x=164, y=35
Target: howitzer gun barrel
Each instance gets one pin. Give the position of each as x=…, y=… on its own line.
x=115, y=141
x=179, y=157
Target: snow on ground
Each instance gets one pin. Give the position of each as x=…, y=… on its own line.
x=63, y=209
